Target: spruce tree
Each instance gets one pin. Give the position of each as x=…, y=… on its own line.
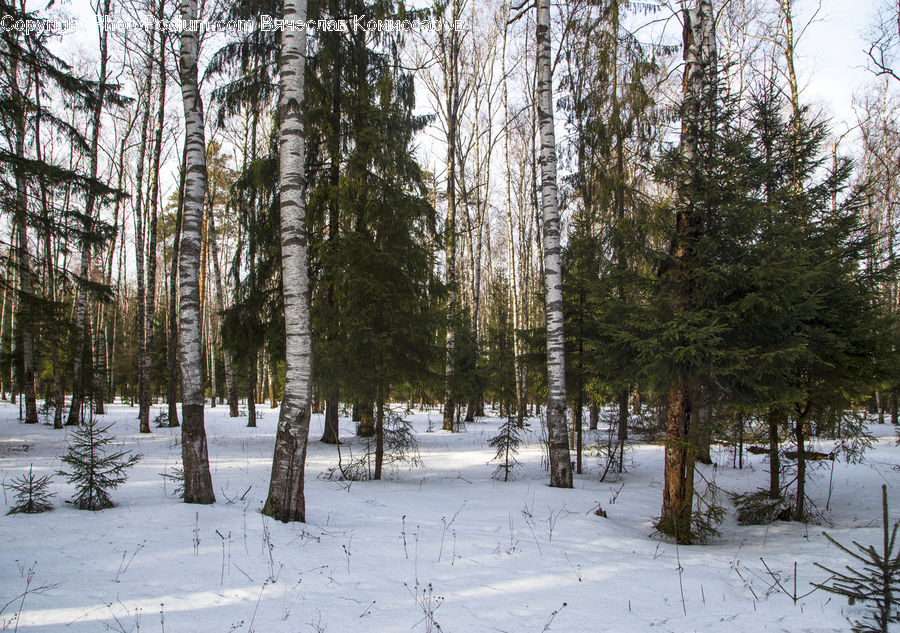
x=32, y=494
x=506, y=444
x=877, y=581
x=374, y=298
x=94, y=468
x=29, y=71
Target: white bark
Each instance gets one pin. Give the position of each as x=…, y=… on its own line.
x=286, y=499
x=197, y=480
x=511, y=270
x=560, y=462
x=140, y=254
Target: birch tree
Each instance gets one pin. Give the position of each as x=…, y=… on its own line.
x=286, y=500
x=197, y=480
x=558, y=443
x=139, y=250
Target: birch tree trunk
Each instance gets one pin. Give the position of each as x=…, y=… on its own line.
x=197, y=481
x=82, y=331
x=150, y=299
x=558, y=443
x=286, y=500
x=511, y=269
x=140, y=253
x=451, y=54
x=172, y=343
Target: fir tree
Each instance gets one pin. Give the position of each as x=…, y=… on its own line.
x=93, y=468
x=32, y=494
x=375, y=295
x=29, y=70
x=507, y=443
x=877, y=581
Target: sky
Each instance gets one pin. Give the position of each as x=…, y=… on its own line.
x=830, y=54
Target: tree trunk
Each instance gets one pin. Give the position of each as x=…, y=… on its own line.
x=150, y=301
x=366, y=424
x=678, y=493
x=578, y=423
x=172, y=343
x=23, y=324
x=252, y=380
x=197, y=480
x=331, y=435
x=799, y=434
x=49, y=264
x=379, y=436
x=231, y=391
x=286, y=500
x=450, y=44
x=622, y=435
x=560, y=463
x=675, y=518
x=8, y=284
x=775, y=419
x=82, y=333
x=140, y=253
x=273, y=404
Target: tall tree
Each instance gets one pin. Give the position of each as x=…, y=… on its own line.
x=699, y=74
x=286, y=501
x=450, y=44
x=197, y=480
x=82, y=329
x=558, y=442
x=141, y=259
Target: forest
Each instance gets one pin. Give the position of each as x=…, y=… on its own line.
x=434, y=262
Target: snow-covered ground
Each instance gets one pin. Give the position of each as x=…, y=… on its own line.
x=443, y=545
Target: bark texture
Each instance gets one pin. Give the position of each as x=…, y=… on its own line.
x=699, y=99
x=450, y=44
x=286, y=500
x=560, y=460
x=197, y=481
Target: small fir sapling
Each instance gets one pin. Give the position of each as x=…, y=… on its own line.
x=93, y=468
x=877, y=581
x=32, y=494
x=507, y=443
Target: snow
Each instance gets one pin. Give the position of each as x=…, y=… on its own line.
x=441, y=545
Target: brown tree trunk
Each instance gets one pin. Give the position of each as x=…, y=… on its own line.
x=799, y=434
x=379, y=436
x=251, y=389
x=678, y=493
x=775, y=419
x=331, y=435
x=450, y=45
x=622, y=435
x=366, y=423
